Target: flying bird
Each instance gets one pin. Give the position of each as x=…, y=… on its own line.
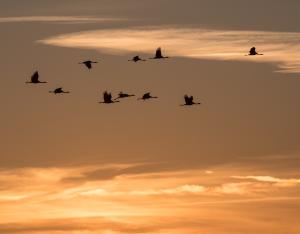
x=124, y=95
x=158, y=54
x=189, y=101
x=35, y=78
x=253, y=52
x=58, y=91
x=146, y=96
x=88, y=63
x=107, y=98
x=136, y=59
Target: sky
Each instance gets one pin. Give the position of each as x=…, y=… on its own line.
x=69, y=165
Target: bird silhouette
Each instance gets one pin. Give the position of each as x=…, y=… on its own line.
x=146, y=96
x=158, y=54
x=253, y=52
x=124, y=95
x=189, y=101
x=59, y=91
x=107, y=98
x=35, y=78
x=88, y=63
x=136, y=59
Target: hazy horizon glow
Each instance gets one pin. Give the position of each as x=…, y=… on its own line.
x=128, y=201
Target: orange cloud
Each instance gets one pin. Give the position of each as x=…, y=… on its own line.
x=281, y=48
x=57, y=19
x=43, y=200
x=276, y=181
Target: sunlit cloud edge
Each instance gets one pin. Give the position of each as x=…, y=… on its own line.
x=280, y=49
x=58, y=19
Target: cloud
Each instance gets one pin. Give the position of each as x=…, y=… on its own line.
x=233, y=188
x=88, y=224
x=209, y=172
x=280, y=48
x=56, y=19
x=126, y=180
x=184, y=189
x=43, y=200
x=277, y=181
x=12, y=197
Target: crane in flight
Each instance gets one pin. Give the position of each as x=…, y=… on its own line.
x=124, y=95
x=136, y=59
x=88, y=63
x=253, y=52
x=158, y=54
x=189, y=101
x=146, y=96
x=107, y=98
x=59, y=91
x=35, y=79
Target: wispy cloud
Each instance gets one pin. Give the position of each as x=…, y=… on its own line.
x=281, y=48
x=129, y=200
x=126, y=180
x=270, y=179
x=86, y=225
x=56, y=19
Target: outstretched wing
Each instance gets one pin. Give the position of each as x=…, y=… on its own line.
x=107, y=96
x=88, y=64
x=146, y=95
x=252, y=51
x=186, y=99
x=35, y=77
x=58, y=90
x=158, y=53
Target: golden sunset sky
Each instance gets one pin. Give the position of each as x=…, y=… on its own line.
x=69, y=165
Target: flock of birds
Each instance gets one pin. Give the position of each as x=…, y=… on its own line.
x=107, y=97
